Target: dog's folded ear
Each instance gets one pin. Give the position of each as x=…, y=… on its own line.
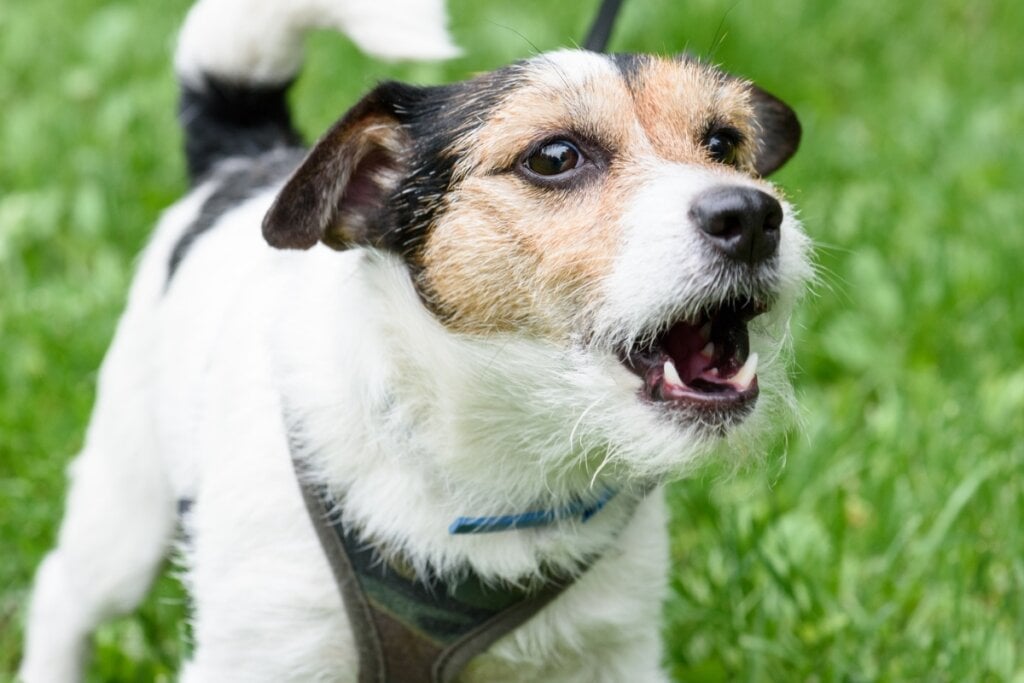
x=339, y=191
x=779, y=133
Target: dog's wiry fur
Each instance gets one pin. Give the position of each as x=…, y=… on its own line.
x=440, y=336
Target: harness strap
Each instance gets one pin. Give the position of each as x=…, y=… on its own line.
x=360, y=616
x=411, y=630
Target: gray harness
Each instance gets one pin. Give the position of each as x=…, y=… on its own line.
x=412, y=629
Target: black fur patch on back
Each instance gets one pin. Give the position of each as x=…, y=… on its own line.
x=223, y=119
x=236, y=184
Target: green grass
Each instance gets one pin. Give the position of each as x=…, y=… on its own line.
x=883, y=543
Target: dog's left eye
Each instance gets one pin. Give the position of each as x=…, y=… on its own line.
x=554, y=158
x=722, y=146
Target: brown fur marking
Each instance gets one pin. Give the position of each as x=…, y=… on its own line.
x=509, y=255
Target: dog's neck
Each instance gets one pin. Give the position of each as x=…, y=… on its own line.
x=405, y=508
x=395, y=416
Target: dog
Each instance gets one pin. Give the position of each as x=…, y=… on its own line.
x=533, y=296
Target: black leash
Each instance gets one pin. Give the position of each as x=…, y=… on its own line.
x=601, y=30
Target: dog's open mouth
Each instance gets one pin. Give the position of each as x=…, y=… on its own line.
x=703, y=364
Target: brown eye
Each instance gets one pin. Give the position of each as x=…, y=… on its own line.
x=554, y=158
x=721, y=146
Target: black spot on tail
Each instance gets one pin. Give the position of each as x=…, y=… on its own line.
x=223, y=119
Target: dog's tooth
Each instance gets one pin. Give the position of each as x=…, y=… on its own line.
x=708, y=351
x=742, y=379
x=672, y=375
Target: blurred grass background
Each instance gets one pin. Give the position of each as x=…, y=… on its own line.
x=882, y=543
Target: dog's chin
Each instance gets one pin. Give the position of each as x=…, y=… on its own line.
x=647, y=423
x=663, y=428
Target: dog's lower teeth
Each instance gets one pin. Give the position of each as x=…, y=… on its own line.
x=708, y=351
x=741, y=380
x=672, y=375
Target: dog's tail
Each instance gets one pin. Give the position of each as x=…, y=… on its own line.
x=236, y=59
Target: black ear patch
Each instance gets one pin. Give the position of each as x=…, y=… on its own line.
x=340, y=190
x=780, y=131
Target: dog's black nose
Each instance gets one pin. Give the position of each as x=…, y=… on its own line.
x=740, y=221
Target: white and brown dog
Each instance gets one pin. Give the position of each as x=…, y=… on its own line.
x=521, y=292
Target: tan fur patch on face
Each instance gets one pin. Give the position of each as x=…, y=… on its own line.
x=678, y=101
x=508, y=254
x=493, y=266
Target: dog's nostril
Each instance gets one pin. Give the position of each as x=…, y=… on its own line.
x=741, y=222
x=724, y=224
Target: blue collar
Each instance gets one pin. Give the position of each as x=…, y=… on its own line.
x=535, y=518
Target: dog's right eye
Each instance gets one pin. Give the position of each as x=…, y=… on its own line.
x=554, y=158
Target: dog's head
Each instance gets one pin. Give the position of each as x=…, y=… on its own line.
x=608, y=212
